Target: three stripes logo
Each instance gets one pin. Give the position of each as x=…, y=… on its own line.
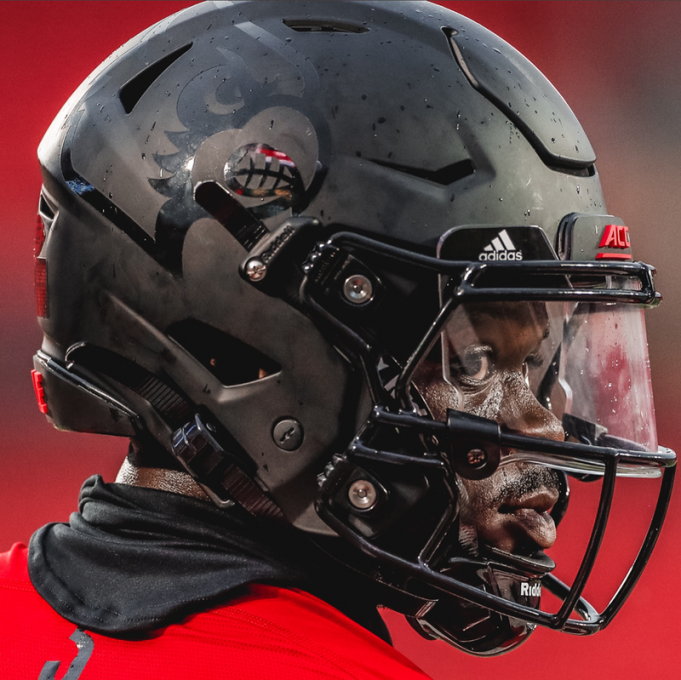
x=501, y=248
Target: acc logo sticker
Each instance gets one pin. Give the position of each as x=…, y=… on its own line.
x=615, y=236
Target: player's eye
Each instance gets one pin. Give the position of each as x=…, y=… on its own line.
x=473, y=365
x=533, y=361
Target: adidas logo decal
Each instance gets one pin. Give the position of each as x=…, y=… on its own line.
x=501, y=248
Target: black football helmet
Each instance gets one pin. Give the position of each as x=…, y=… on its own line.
x=345, y=262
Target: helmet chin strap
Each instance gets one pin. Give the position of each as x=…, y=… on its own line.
x=162, y=479
x=217, y=470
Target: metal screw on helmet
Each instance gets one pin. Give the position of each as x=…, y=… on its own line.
x=256, y=269
x=358, y=289
x=288, y=434
x=362, y=494
x=476, y=457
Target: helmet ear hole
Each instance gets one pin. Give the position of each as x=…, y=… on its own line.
x=229, y=359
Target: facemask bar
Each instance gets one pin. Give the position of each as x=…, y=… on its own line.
x=471, y=281
x=362, y=455
x=571, y=596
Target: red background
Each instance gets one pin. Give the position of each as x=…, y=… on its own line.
x=616, y=63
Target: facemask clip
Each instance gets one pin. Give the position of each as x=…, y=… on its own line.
x=475, y=444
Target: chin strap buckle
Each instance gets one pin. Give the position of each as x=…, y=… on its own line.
x=217, y=471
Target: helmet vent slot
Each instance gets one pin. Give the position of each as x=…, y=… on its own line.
x=444, y=176
x=523, y=94
x=46, y=213
x=43, y=225
x=323, y=26
x=229, y=359
x=133, y=90
x=577, y=172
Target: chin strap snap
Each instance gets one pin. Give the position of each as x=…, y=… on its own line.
x=217, y=471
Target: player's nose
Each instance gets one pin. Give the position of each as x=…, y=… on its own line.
x=520, y=411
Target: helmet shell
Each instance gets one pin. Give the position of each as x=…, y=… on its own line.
x=399, y=120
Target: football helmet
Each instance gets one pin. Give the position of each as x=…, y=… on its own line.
x=348, y=263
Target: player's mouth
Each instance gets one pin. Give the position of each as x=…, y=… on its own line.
x=527, y=520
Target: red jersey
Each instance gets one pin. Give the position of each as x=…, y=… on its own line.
x=267, y=633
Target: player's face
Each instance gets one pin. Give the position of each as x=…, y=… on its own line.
x=488, y=353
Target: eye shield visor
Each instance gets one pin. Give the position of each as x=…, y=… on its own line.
x=569, y=371
x=549, y=349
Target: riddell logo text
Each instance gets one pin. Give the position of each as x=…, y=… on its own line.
x=501, y=248
x=528, y=590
